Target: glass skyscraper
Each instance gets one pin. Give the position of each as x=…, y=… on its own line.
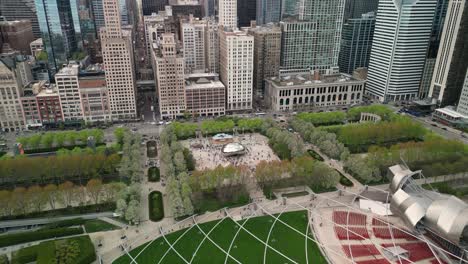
x=58, y=31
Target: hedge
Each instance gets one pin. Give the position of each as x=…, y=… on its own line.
x=24, y=237
x=55, y=149
x=153, y=174
x=156, y=206
x=45, y=252
x=65, y=223
x=4, y=259
x=94, y=208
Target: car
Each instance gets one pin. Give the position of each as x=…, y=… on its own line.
x=434, y=125
x=168, y=122
x=161, y=123
x=134, y=129
x=444, y=128
x=153, y=123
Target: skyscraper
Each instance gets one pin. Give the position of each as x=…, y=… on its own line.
x=462, y=106
x=67, y=84
x=21, y=9
x=153, y=6
x=298, y=45
x=236, y=68
x=268, y=11
x=193, y=39
x=356, y=42
x=11, y=115
x=98, y=13
x=117, y=53
x=228, y=13
x=247, y=10
x=452, y=58
x=401, y=37
x=88, y=28
x=168, y=65
x=267, y=55
x=434, y=42
x=290, y=8
x=355, y=8
x=328, y=16
x=18, y=34
x=58, y=31
x=212, y=45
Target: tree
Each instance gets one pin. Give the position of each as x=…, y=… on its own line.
x=94, y=189
x=67, y=251
x=5, y=201
x=121, y=207
x=51, y=192
x=179, y=162
x=132, y=213
x=19, y=203
x=36, y=198
x=66, y=193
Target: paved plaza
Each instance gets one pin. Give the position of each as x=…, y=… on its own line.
x=208, y=155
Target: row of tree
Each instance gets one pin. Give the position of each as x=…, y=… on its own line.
x=174, y=168
x=128, y=202
x=36, y=198
x=323, y=119
x=325, y=141
x=360, y=136
x=22, y=170
x=299, y=171
x=434, y=156
x=61, y=139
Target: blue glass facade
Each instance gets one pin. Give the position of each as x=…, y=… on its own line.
x=57, y=30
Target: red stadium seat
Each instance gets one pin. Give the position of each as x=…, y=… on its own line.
x=355, y=233
x=360, y=250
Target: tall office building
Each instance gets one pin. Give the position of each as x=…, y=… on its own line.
x=88, y=28
x=290, y=9
x=355, y=8
x=210, y=7
x=267, y=55
x=298, y=49
x=356, y=42
x=452, y=58
x=18, y=34
x=153, y=6
x=228, y=13
x=156, y=25
x=236, y=68
x=212, y=45
x=462, y=106
x=117, y=53
x=11, y=115
x=19, y=10
x=434, y=42
x=98, y=13
x=328, y=16
x=193, y=39
x=268, y=11
x=168, y=65
x=58, y=31
x=401, y=37
x=66, y=81
x=247, y=11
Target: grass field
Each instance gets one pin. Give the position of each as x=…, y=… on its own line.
x=246, y=244
x=97, y=225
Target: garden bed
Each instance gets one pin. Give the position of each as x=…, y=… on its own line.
x=97, y=225
x=314, y=154
x=295, y=194
x=156, y=206
x=154, y=174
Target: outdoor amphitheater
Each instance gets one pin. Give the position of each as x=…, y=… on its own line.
x=372, y=226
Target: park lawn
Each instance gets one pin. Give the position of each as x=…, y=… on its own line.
x=156, y=206
x=245, y=248
x=154, y=174
x=97, y=225
x=210, y=203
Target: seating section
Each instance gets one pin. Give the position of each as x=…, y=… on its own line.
x=384, y=232
x=340, y=217
x=435, y=261
x=355, y=233
x=417, y=251
x=373, y=261
x=378, y=222
x=360, y=250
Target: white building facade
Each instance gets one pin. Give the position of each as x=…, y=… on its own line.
x=236, y=68
x=227, y=13
x=11, y=115
x=193, y=38
x=401, y=38
x=66, y=81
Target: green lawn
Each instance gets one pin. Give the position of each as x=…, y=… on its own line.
x=240, y=242
x=153, y=174
x=97, y=225
x=156, y=206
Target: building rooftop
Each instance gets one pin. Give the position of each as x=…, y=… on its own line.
x=452, y=113
x=202, y=81
x=71, y=69
x=92, y=82
x=50, y=90
x=309, y=78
